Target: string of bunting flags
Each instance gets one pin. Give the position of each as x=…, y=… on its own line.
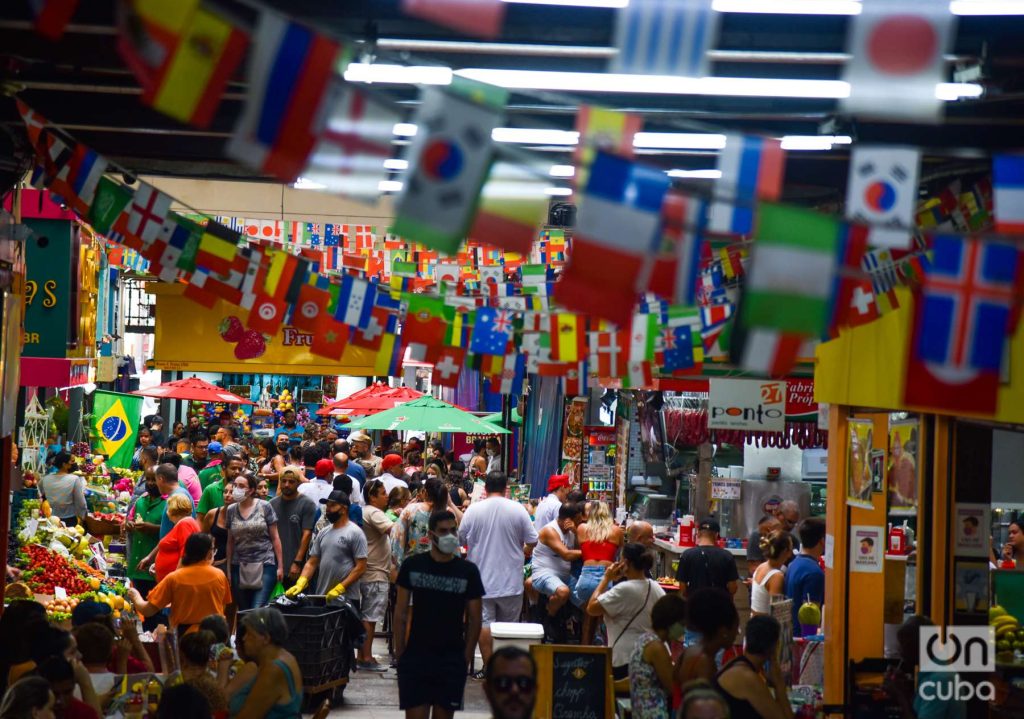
x=653, y=281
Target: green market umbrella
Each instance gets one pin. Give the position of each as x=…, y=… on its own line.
x=496, y=417
x=427, y=414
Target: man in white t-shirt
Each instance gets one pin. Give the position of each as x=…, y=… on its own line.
x=320, y=486
x=547, y=510
x=499, y=535
x=390, y=469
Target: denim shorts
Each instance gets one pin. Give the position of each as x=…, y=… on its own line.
x=590, y=577
x=548, y=583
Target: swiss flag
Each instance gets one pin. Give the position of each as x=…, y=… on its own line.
x=861, y=307
x=267, y=315
x=312, y=303
x=447, y=366
x=896, y=49
x=947, y=389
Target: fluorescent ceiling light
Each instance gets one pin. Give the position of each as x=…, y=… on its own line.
x=395, y=164
x=953, y=91
x=562, y=171
x=986, y=7
x=814, y=142
x=405, y=129
x=678, y=141
x=558, y=191
x=789, y=7
x=696, y=174
x=535, y=136
x=303, y=184
x=389, y=186
x=398, y=74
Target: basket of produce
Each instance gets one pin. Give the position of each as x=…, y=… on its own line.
x=101, y=524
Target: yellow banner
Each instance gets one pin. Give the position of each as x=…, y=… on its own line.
x=188, y=338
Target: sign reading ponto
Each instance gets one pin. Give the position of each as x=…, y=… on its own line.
x=747, y=404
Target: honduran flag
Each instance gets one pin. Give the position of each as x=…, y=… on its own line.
x=1008, y=183
x=289, y=74
x=355, y=301
x=752, y=169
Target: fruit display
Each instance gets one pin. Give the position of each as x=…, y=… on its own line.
x=1009, y=635
x=44, y=569
x=809, y=614
x=668, y=581
x=112, y=517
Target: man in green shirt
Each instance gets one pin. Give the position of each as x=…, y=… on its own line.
x=143, y=529
x=212, y=471
x=199, y=456
x=213, y=495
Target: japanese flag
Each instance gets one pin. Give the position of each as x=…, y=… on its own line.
x=882, y=192
x=896, y=49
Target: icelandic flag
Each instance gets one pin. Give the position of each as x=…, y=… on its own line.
x=492, y=330
x=289, y=75
x=664, y=37
x=752, y=169
x=86, y=169
x=968, y=296
x=1008, y=185
x=355, y=301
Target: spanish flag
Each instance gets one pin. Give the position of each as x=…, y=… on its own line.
x=567, y=337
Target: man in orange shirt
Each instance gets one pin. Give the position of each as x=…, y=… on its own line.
x=195, y=591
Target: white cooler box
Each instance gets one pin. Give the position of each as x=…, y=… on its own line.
x=514, y=634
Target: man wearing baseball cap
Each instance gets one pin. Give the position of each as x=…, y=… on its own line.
x=707, y=564
x=547, y=510
x=361, y=445
x=338, y=552
x=211, y=471
x=391, y=472
x=322, y=483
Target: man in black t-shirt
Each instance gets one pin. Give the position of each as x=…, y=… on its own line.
x=445, y=589
x=707, y=564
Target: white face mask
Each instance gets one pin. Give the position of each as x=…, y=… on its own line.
x=238, y=494
x=448, y=544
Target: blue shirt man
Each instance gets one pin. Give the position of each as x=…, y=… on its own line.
x=805, y=579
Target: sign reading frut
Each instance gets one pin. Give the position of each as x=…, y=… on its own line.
x=758, y=405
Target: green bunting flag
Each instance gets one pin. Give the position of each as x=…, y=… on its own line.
x=108, y=204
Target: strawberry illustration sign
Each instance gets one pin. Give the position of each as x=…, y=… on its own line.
x=751, y=404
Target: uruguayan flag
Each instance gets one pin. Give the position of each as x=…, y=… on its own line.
x=665, y=37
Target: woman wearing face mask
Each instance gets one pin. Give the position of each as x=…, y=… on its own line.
x=411, y=533
x=493, y=455
x=254, y=547
x=277, y=458
x=650, y=664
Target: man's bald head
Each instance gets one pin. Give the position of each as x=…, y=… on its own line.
x=641, y=533
x=788, y=514
x=340, y=463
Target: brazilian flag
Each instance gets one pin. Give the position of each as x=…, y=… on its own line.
x=115, y=417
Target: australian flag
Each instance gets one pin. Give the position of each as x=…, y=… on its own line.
x=332, y=235
x=968, y=299
x=492, y=331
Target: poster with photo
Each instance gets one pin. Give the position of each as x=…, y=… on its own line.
x=859, y=481
x=877, y=470
x=971, y=526
x=971, y=587
x=904, y=445
x=867, y=547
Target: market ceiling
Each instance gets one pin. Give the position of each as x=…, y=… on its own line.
x=82, y=84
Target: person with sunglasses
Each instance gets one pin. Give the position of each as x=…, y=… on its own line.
x=510, y=683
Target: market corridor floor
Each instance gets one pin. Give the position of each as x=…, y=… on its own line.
x=371, y=695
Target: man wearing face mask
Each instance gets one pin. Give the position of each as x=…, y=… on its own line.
x=447, y=592
x=230, y=468
x=143, y=527
x=339, y=553
x=493, y=455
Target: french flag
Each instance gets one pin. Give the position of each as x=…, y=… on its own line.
x=752, y=169
x=291, y=70
x=1008, y=183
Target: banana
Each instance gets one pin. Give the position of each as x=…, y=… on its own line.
x=1004, y=620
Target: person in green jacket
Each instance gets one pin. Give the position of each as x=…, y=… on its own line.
x=213, y=494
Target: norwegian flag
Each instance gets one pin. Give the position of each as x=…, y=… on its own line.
x=968, y=297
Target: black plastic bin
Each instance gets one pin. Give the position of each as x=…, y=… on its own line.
x=317, y=639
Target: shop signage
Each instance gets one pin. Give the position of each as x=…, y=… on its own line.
x=800, y=404
x=758, y=405
x=724, y=488
x=47, y=288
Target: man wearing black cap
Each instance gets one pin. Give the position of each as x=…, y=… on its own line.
x=338, y=552
x=707, y=564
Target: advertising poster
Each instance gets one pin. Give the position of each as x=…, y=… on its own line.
x=903, y=449
x=971, y=586
x=867, y=547
x=572, y=438
x=971, y=526
x=859, y=480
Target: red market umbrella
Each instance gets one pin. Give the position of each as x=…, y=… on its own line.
x=375, y=388
x=374, y=403
x=192, y=388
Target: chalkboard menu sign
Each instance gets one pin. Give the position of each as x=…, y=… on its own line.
x=573, y=682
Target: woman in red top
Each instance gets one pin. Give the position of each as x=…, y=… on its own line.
x=172, y=546
x=600, y=540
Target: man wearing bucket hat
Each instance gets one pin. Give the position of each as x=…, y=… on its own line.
x=547, y=510
x=362, y=451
